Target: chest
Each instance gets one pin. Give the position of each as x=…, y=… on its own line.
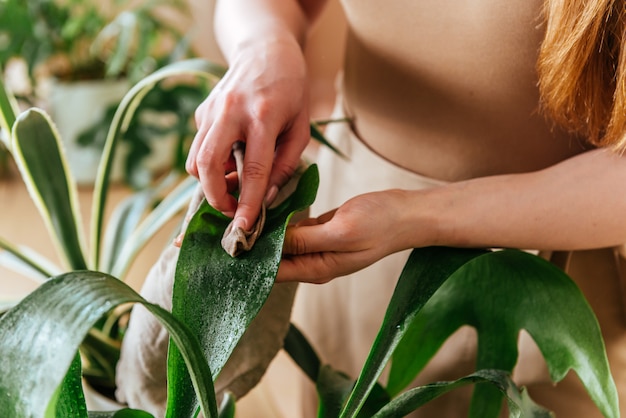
x=465, y=37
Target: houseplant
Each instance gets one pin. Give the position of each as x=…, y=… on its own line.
x=436, y=286
x=79, y=52
x=78, y=40
x=135, y=221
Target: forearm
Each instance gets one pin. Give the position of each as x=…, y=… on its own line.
x=239, y=23
x=577, y=204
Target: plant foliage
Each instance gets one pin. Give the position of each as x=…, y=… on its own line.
x=216, y=297
x=219, y=299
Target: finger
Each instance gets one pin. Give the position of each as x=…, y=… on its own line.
x=258, y=160
x=309, y=268
x=192, y=156
x=319, y=267
x=307, y=239
x=212, y=160
x=232, y=182
x=326, y=217
x=204, y=119
x=289, y=152
x=319, y=220
x=307, y=222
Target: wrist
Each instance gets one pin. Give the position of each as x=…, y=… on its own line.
x=267, y=45
x=422, y=221
x=259, y=33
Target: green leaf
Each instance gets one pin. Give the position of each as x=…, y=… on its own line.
x=227, y=407
x=41, y=335
x=175, y=201
x=71, y=399
x=317, y=134
x=28, y=258
x=299, y=349
x=520, y=405
x=515, y=290
x=422, y=275
x=7, y=303
x=39, y=156
x=123, y=28
x=333, y=388
x=123, y=221
x=8, y=111
x=218, y=296
x=122, y=413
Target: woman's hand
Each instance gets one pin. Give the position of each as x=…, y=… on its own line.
x=357, y=234
x=263, y=101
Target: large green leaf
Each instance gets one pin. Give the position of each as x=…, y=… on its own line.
x=516, y=290
x=39, y=156
x=520, y=405
x=216, y=295
x=425, y=271
x=499, y=294
x=41, y=335
x=70, y=397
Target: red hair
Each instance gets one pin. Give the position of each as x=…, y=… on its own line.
x=582, y=69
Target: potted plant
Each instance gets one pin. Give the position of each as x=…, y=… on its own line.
x=81, y=58
x=216, y=298
x=44, y=170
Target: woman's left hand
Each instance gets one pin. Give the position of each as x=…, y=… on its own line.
x=360, y=232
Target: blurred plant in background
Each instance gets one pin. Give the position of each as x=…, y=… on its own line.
x=80, y=40
x=165, y=114
x=47, y=45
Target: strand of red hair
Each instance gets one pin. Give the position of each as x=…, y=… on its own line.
x=582, y=69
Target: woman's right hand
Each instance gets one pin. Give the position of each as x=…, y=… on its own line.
x=263, y=101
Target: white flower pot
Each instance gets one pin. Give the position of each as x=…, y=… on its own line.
x=75, y=107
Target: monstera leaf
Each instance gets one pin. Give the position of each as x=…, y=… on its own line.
x=520, y=405
x=499, y=293
x=218, y=296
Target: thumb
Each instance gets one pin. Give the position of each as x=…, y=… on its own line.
x=306, y=237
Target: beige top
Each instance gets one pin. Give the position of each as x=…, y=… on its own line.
x=448, y=89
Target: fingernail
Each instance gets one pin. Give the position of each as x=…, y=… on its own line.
x=239, y=223
x=178, y=241
x=229, y=214
x=271, y=195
